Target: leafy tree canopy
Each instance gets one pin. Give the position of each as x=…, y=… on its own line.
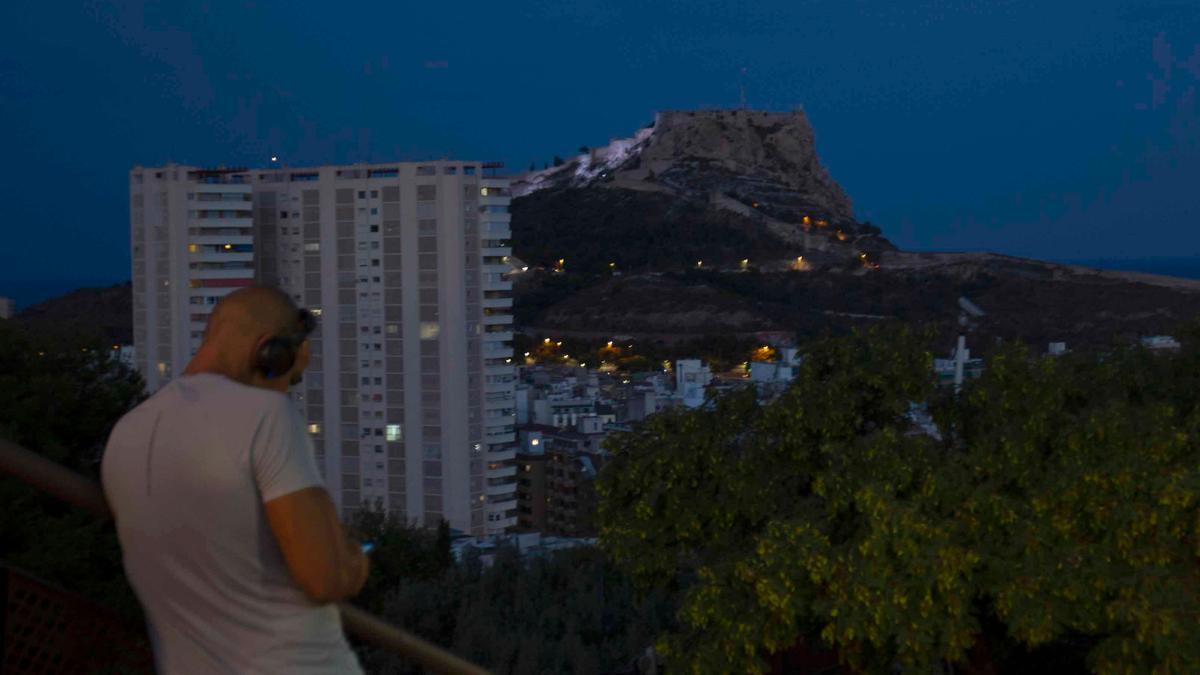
x=1061, y=503
x=60, y=395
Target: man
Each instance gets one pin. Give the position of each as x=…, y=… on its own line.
x=230, y=541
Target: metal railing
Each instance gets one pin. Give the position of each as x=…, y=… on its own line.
x=86, y=494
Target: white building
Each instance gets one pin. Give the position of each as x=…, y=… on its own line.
x=777, y=372
x=691, y=378
x=7, y=308
x=409, y=395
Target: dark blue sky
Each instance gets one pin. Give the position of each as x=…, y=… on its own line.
x=1045, y=128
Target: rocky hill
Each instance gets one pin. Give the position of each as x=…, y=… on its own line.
x=715, y=186
x=105, y=314
x=725, y=221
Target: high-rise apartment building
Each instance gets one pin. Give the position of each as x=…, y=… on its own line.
x=410, y=392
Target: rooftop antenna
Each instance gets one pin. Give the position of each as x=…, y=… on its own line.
x=742, y=86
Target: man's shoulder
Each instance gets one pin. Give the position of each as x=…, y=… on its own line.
x=205, y=398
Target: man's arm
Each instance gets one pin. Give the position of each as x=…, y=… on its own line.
x=326, y=564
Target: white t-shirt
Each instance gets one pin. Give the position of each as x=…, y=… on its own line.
x=186, y=474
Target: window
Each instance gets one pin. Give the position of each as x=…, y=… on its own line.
x=426, y=171
x=374, y=194
x=314, y=428
x=393, y=432
x=468, y=171
x=429, y=330
x=374, y=211
x=374, y=262
x=393, y=328
x=312, y=247
x=362, y=194
x=374, y=228
x=450, y=170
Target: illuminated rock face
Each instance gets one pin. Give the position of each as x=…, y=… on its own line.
x=752, y=162
x=753, y=156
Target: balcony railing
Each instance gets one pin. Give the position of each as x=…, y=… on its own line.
x=86, y=494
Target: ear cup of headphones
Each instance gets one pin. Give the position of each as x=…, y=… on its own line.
x=276, y=357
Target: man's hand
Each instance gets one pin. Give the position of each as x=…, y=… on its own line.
x=359, y=567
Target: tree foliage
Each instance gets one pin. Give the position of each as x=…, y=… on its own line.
x=60, y=395
x=1061, y=503
x=567, y=612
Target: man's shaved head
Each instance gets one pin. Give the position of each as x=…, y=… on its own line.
x=240, y=323
x=249, y=313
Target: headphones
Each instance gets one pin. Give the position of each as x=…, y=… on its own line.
x=277, y=355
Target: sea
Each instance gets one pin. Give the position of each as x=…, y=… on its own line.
x=28, y=293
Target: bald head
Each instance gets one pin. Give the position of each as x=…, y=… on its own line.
x=249, y=313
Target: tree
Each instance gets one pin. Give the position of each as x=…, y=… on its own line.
x=558, y=161
x=532, y=167
x=566, y=612
x=1061, y=509
x=60, y=395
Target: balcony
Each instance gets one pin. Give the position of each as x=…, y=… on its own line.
x=495, y=231
x=223, y=205
x=507, y=453
x=498, y=251
x=242, y=273
x=242, y=221
x=499, y=369
x=497, y=303
x=507, y=488
x=502, y=472
x=214, y=239
x=498, y=526
x=502, y=439
x=221, y=256
x=66, y=630
x=502, y=503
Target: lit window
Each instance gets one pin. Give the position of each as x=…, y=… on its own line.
x=535, y=442
x=315, y=311
x=393, y=432
x=192, y=248
x=429, y=330
x=312, y=247
x=314, y=428
x=393, y=328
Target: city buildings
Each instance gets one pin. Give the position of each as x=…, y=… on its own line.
x=409, y=394
x=557, y=470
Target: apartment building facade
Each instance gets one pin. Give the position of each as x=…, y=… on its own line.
x=409, y=394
